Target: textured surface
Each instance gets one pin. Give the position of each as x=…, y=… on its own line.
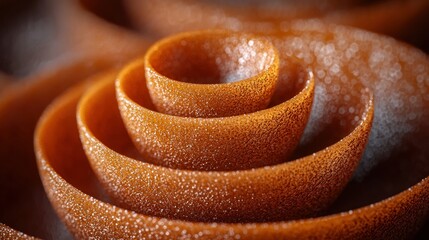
x=286, y=191
x=86, y=216
x=342, y=59
x=24, y=204
x=293, y=190
x=397, y=75
x=256, y=139
x=9, y=233
x=20, y=107
x=231, y=74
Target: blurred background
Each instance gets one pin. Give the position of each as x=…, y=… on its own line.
x=32, y=31
x=39, y=35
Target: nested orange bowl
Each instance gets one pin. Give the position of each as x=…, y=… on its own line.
x=342, y=58
x=81, y=206
x=245, y=141
x=285, y=191
x=211, y=74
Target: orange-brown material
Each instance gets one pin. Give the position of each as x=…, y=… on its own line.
x=256, y=139
x=83, y=44
x=393, y=17
x=4, y=81
x=86, y=216
x=211, y=74
x=84, y=34
x=241, y=15
x=21, y=105
x=281, y=192
x=253, y=195
x=9, y=233
x=342, y=60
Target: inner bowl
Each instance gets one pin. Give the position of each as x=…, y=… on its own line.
x=211, y=74
x=260, y=138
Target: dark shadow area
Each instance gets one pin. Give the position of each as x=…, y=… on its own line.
x=27, y=31
x=112, y=11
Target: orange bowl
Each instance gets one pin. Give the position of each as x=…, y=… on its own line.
x=245, y=141
x=211, y=74
x=285, y=191
x=81, y=206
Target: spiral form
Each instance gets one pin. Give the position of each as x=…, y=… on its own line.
x=255, y=137
x=161, y=186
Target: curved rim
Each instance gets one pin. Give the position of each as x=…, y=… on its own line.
x=340, y=159
x=44, y=165
x=7, y=232
x=366, y=119
x=137, y=64
x=214, y=32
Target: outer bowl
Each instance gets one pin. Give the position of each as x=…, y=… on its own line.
x=71, y=193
